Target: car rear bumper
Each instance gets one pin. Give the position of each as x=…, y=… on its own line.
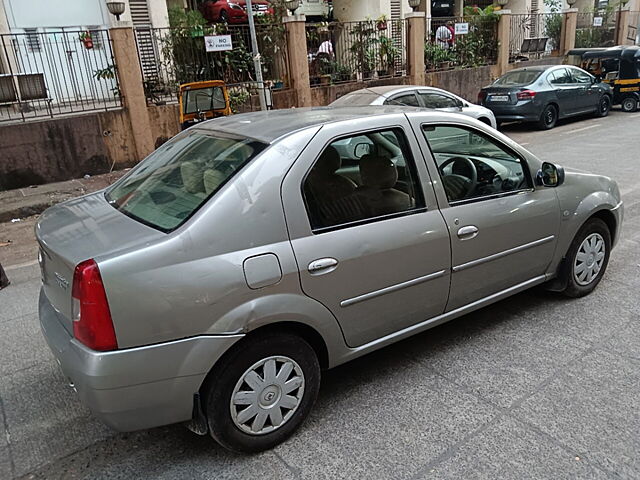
x=521, y=112
x=134, y=388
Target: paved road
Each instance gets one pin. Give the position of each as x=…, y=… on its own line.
x=536, y=386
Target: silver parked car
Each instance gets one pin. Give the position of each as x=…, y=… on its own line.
x=416, y=96
x=213, y=282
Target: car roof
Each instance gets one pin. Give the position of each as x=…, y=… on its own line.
x=270, y=125
x=535, y=68
x=387, y=90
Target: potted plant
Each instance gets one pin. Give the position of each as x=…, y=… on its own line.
x=381, y=22
x=387, y=54
x=85, y=38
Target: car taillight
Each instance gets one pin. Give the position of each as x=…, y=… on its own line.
x=525, y=95
x=92, y=324
x=481, y=96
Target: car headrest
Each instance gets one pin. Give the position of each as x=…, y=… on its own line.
x=192, y=177
x=329, y=162
x=378, y=172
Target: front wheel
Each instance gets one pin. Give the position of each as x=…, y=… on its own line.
x=587, y=258
x=548, y=118
x=629, y=104
x=604, y=106
x=262, y=391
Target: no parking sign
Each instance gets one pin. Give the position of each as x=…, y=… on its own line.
x=218, y=43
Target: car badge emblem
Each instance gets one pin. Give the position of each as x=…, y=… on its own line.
x=62, y=282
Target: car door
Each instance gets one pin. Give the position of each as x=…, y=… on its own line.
x=375, y=252
x=566, y=91
x=504, y=230
x=587, y=92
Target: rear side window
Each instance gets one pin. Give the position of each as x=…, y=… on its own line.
x=518, y=77
x=171, y=184
x=560, y=77
x=360, y=178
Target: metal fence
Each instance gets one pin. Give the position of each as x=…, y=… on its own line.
x=55, y=73
x=170, y=57
x=596, y=29
x=534, y=35
x=343, y=52
x=444, y=49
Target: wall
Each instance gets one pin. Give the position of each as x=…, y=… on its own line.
x=60, y=149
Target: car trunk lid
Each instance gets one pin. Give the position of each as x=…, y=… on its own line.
x=500, y=95
x=78, y=230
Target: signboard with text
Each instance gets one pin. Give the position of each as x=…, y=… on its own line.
x=597, y=21
x=461, y=28
x=218, y=43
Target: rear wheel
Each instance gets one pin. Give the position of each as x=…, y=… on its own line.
x=629, y=104
x=262, y=392
x=587, y=258
x=604, y=106
x=548, y=118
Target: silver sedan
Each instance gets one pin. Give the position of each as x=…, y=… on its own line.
x=213, y=283
x=416, y=96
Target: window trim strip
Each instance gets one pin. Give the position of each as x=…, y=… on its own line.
x=392, y=288
x=504, y=253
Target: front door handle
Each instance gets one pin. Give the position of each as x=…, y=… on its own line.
x=468, y=232
x=322, y=265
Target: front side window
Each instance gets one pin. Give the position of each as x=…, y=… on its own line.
x=581, y=77
x=362, y=177
x=408, y=100
x=178, y=178
x=435, y=100
x=472, y=165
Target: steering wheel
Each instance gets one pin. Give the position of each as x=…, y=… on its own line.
x=459, y=186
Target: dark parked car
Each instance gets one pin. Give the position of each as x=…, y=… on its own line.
x=545, y=94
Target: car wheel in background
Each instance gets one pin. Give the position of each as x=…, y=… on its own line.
x=262, y=391
x=548, y=118
x=604, y=106
x=629, y=104
x=587, y=258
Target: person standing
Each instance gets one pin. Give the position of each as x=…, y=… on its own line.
x=443, y=36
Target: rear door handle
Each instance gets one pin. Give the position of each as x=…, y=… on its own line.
x=322, y=265
x=468, y=232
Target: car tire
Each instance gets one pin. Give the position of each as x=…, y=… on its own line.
x=548, y=118
x=629, y=104
x=592, y=240
x=604, y=106
x=256, y=360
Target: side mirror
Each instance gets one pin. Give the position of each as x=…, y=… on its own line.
x=460, y=105
x=361, y=150
x=550, y=175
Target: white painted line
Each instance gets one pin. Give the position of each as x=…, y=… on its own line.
x=20, y=265
x=524, y=143
x=584, y=128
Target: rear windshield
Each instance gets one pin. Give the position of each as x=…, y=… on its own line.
x=518, y=77
x=203, y=99
x=355, y=98
x=172, y=183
